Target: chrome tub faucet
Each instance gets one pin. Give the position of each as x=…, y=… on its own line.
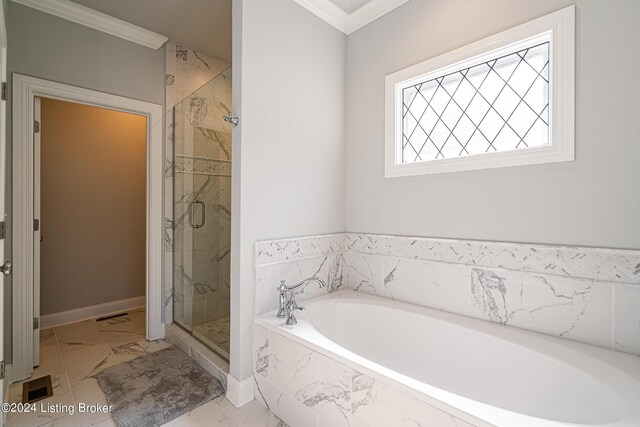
x=287, y=303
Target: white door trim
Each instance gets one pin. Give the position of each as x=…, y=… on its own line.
x=25, y=90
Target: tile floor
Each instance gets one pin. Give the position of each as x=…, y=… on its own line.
x=215, y=334
x=71, y=354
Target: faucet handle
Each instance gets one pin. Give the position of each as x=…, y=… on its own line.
x=293, y=305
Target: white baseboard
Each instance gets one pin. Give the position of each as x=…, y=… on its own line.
x=239, y=392
x=91, y=312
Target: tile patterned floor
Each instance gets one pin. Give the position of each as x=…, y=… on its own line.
x=71, y=354
x=216, y=334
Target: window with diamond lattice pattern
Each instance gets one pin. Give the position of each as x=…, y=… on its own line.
x=499, y=105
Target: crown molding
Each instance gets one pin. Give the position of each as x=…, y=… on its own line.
x=88, y=17
x=370, y=12
x=327, y=11
x=349, y=22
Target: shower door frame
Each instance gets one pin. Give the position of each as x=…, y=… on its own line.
x=25, y=91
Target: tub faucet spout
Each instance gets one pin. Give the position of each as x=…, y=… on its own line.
x=283, y=301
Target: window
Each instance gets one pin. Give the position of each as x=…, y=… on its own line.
x=503, y=101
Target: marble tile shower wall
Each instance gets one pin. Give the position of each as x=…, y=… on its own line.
x=590, y=295
x=186, y=72
x=202, y=175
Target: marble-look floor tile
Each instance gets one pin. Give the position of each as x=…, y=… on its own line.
x=129, y=351
x=50, y=362
x=89, y=392
x=61, y=396
x=66, y=421
x=85, y=362
x=134, y=321
x=109, y=422
x=82, y=335
x=208, y=415
x=252, y=414
x=118, y=338
x=82, y=363
x=216, y=332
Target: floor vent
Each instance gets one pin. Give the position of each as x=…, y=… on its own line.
x=112, y=317
x=37, y=389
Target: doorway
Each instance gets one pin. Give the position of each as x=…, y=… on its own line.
x=90, y=202
x=77, y=220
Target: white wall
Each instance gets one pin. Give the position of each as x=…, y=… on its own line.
x=289, y=91
x=592, y=201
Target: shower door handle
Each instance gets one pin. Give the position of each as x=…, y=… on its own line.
x=191, y=215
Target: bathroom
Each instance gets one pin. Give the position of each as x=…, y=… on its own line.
x=361, y=212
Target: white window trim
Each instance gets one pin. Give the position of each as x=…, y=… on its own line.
x=559, y=28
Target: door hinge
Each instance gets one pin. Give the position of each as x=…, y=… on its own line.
x=2, y=370
x=36, y=126
x=3, y=230
x=36, y=224
x=4, y=91
x=36, y=323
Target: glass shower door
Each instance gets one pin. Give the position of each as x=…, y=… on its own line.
x=202, y=213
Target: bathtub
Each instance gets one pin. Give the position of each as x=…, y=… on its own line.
x=477, y=371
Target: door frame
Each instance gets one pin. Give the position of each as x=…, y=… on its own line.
x=4, y=382
x=25, y=90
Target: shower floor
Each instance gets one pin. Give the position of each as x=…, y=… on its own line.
x=215, y=334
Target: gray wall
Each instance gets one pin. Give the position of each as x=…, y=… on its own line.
x=93, y=206
x=592, y=201
x=51, y=48
x=288, y=176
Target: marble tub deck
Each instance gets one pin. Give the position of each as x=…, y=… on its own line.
x=73, y=353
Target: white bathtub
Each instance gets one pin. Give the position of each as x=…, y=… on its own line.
x=472, y=369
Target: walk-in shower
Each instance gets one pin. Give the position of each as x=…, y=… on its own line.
x=202, y=213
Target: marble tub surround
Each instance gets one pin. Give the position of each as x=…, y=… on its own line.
x=292, y=249
x=429, y=379
x=589, y=295
x=602, y=264
x=328, y=267
x=306, y=388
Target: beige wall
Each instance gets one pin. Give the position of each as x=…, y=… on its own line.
x=93, y=206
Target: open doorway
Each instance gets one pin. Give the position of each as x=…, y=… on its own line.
x=87, y=197
x=90, y=208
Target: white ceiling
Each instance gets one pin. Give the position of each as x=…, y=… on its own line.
x=350, y=5
x=201, y=25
